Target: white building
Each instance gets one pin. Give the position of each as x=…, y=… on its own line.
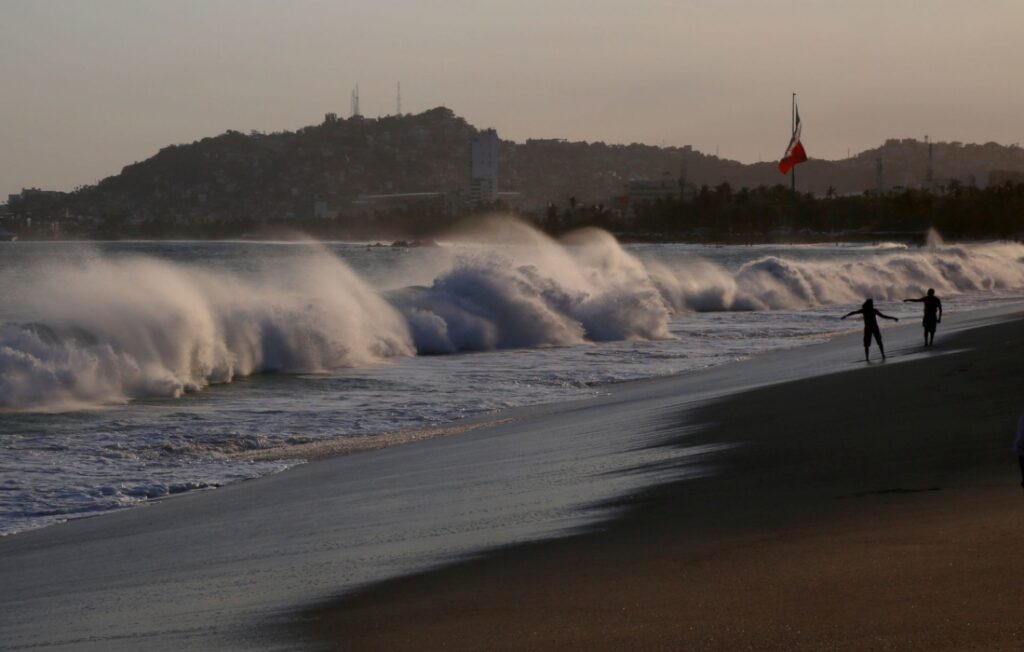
x=483, y=185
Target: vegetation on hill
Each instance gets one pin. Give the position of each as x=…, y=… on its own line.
x=774, y=213
x=312, y=178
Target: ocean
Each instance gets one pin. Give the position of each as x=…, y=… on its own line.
x=132, y=371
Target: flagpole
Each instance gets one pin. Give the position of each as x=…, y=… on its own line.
x=792, y=171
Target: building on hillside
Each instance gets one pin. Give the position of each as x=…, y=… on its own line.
x=638, y=191
x=511, y=199
x=483, y=184
x=437, y=203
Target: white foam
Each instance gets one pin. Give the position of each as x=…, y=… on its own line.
x=774, y=283
x=536, y=292
x=104, y=331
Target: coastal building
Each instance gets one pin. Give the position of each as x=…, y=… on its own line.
x=639, y=190
x=512, y=199
x=437, y=203
x=483, y=184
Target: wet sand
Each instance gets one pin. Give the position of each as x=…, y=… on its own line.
x=878, y=508
x=763, y=553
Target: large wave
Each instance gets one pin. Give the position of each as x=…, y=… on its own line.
x=106, y=330
x=537, y=292
x=775, y=283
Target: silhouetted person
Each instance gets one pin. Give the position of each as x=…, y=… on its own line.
x=871, y=325
x=932, y=315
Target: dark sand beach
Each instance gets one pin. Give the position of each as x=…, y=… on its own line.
x=800, y=499
x=878, y=508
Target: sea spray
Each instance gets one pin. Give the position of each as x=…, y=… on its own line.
x=534, y=291
x=104, y=331
x=99, y=329
x=779, y=283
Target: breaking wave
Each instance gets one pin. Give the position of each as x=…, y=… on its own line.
x=107, y=330
x=537, y=292
x=774, y=283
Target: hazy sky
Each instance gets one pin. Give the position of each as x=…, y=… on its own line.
x=88, y=86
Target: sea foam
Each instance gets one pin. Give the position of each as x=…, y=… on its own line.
x=775, y=283
x=103, y=329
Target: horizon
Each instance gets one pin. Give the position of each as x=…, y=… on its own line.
x=142, y=76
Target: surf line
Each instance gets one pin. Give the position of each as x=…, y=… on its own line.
x=334, y=447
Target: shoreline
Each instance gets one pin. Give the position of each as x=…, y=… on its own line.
x=892, y=530
x=239, y=568
x=297, y=453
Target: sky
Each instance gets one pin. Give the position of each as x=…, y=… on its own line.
x=89, y=86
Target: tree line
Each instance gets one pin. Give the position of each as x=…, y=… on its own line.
x=768, y=213
x=707, y=214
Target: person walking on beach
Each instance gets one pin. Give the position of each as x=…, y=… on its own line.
x=932, y=315
x=871, y=326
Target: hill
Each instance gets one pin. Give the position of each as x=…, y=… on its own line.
x=284, y=175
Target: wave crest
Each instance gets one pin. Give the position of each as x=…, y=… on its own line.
x=547, y=293
x=774, y=283
x=109, y=330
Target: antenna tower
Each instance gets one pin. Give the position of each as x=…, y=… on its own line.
x=398, y=100
x=355, y=102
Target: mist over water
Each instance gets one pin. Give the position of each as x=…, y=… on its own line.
x=98, y=330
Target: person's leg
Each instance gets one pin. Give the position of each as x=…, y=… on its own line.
x=867, y=344
x=929, y=331
x=878, y=338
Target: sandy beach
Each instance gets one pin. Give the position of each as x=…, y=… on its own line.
x=800, y=499
x=879, y=508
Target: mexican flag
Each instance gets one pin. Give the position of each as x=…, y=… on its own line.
x=795, y=153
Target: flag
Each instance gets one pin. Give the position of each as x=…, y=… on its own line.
x=795, y=153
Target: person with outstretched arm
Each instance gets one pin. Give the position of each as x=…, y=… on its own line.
x=871, y=326
x=932, y=314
